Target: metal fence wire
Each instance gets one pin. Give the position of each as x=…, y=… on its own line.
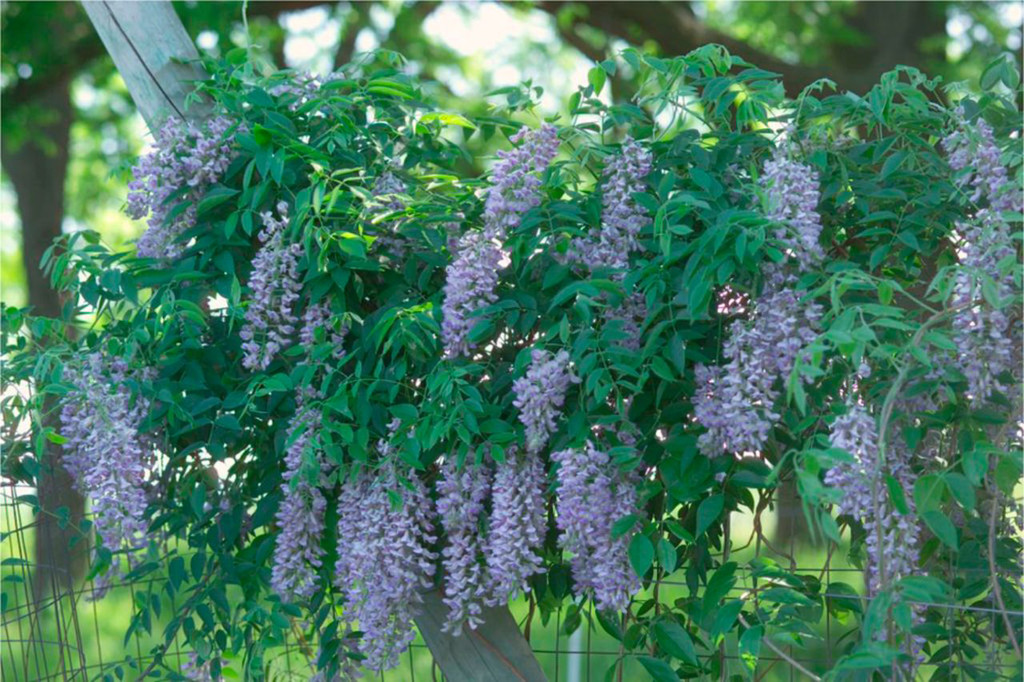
x=63, y=633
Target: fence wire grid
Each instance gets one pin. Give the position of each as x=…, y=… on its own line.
x=64, y=634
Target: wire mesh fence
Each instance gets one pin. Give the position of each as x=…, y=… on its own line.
x=53, y=632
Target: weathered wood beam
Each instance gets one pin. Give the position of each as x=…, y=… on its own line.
x=146, y=41
x=154, y=54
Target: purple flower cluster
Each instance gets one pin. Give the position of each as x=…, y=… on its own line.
x=471, y=282
x=105, y=453
x=384, y=560
x=974, y=148
x=298, y=554
x=792, y=196
x=460, y=504
x=540, y=395
x=621, y=217
x=318, y=316
x=736, y=402
x=472, y=277
x=985, y=348
x=270, y=319
x=515, y=180
x=629, y=316
x=517, y=527
x=592, y=495
x=188, y=158
x=891, y=537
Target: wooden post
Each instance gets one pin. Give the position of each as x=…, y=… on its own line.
x=146, y=41
x=149, y=44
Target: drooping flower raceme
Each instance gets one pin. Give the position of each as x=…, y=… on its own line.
x=985, y=347
x=318, y=316
x=515, y=180
x=187, y=159
x=384, y=560
x=471, y=282
x=517, y=526
x=621, y=217
x=592, y=495
x=792, y=195
x=105, y=454
x=540, y=394
x=298, y=554
x=460, y=503
x=973, y=148
x=736, y=401
x=472, y=277
x=270, y=318
x=629, y=316
x=891, y=537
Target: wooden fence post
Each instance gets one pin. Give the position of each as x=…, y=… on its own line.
x=147, y=41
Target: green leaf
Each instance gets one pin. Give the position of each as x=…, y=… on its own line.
x=750, y=647
x=896, y=494
x=962, y=490
x=596, y=77
x=659, y=670
x=725, y=618
x=666, y=556
x=214, y=198
x=448, y=119
x=942, y=527
x=198, y=499
x=709, y=510
x=641, y=554
x=675, y=641
x=624, y=525
x=928, y=492
x=609, y=623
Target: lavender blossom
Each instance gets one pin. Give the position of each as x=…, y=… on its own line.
x=891, y=537
x=540, y=395
x=983, y=332
x=473, y=276
x=384, y=561
x=974, y=147
x=629, y=316
x=186, y=161
x=318, y=316
x=736, y=402
x=592, y=495
x=515, y=180
x=518, y=526
x=471, y=282
x=105, y=453
x=621, y=217
x=270, y=319
x=792, y=196
x=460, y=503
x=298, y=554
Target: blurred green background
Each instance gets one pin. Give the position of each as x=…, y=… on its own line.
x=70, y=132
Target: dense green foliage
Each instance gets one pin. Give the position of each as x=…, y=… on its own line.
x=890, y=208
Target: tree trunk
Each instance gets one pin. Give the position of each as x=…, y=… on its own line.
x=37, y=168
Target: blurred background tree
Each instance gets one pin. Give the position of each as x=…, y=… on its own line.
x=69, y=129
